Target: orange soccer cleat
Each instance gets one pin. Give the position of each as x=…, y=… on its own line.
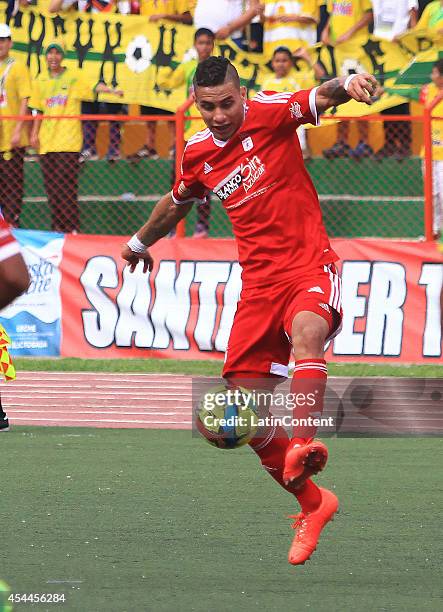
x=303, y=461
x=309, y=526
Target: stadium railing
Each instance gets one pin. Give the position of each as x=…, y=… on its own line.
x=116, y=194
x=377, y=195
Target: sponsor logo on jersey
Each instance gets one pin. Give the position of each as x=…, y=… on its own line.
x=248, y=144
x=58, y=100
x=229, y=184
x=251, y=171
x=207, y=168
x=247, y=174
x=325, y=307
x=295, y=110
x=342, y=7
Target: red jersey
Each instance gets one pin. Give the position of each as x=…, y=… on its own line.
x=8, y=244
x=260, y=177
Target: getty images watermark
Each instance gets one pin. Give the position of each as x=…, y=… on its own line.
x=351, y=407
x=256, y=408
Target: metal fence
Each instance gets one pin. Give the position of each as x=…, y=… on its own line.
x=370, y=189
x=370, y=183
x=109, y=190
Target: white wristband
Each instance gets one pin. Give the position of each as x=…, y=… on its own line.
x=136, y=245
x=348, y=80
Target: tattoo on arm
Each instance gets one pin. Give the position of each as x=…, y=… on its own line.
x=333, y=90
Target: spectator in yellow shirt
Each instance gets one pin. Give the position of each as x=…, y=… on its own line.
x=290, y=24
x=204, y=41
x=286, y=79
x=428, y=94
x=432, y=18
x=89, y=150
x=174, y=11
x=348, y=21
x=57, y=93
x=178, y=11
x=15, y=89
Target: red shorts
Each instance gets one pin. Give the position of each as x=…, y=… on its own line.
x=259, y=344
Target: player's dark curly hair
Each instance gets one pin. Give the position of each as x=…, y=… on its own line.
x=215, y=71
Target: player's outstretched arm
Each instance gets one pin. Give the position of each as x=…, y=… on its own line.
x=360, y=87
x=163, y=219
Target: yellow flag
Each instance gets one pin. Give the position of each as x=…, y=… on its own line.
x=7, y=367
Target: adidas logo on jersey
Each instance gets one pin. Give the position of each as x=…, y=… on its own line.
x=325, y=307
x=207, y=168
x=316, y=290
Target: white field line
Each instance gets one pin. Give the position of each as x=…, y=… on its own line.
x=122, y=412
x=140, y=405
x=95, y=421
x=21, y=384
x=158, y=375
x=75, y=394
x=85, y=392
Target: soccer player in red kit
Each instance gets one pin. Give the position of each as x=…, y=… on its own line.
x=14, y=280
x=14, y=277
x=250, y=157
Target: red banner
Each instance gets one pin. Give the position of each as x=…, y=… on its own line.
x=185, y=307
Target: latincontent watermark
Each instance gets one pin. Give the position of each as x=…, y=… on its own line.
x=224, y=407
x=351, y=406
x=236, y=421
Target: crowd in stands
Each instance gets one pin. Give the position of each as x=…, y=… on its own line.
x=282, y=30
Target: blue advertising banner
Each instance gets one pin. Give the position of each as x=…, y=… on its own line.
x=33, y=321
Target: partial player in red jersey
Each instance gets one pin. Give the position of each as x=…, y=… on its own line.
x=14, y=277
x=250, y=157
x=14, y=280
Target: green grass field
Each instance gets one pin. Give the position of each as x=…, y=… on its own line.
x=160, y=521
x=152, y=520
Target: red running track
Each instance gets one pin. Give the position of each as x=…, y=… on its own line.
x=86, y=399
x=164, y=401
